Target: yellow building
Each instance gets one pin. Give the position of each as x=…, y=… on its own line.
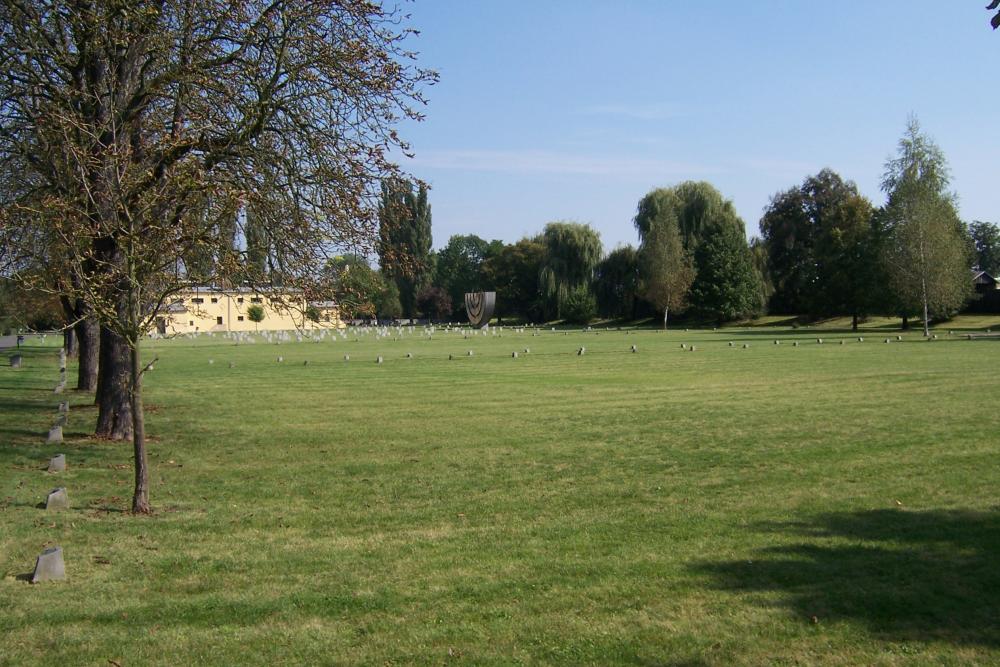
x=214, y=310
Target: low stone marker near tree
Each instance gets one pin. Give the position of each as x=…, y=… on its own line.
x=15, y=361
x=49, y=566
x=55, y=435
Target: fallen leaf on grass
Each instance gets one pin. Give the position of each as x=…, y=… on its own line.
x=101, y=560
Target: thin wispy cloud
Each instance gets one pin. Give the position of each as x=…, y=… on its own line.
x=551, y=162
x=658, y=111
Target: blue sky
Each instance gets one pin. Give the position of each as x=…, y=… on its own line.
x=559, y=110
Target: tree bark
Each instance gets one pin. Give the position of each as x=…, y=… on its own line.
x=70, y=342
x=906, y=322
x=140, y=497
x=854, y=322
x=88, y=337
x=114, y=415
x=666, y=312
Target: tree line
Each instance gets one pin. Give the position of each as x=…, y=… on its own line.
x=824, y=250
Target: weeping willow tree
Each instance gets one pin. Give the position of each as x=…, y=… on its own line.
x=572, y=252
x=131, y=130
x=696, y=207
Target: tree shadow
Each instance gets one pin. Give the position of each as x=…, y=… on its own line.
x=908, y=576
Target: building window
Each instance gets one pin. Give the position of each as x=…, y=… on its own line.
x=239, y=318
x=191, y=323
x=239, y=300
x=197, y=300
x=255, y=299
x=214, y=300
x=218, y=320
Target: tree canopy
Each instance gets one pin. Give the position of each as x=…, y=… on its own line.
x=927, y=253
x=133, y=132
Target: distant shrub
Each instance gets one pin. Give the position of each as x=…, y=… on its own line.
x=580, y=306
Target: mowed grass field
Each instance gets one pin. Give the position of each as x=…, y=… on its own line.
x=819, y=504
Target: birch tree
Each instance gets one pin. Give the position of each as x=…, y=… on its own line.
x=927, y=254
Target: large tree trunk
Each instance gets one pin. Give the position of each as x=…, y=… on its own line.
x=854, y=322
x=88, y=337
x=906, y=322
x=666, y=312
x=114, y=415
x=140, y=498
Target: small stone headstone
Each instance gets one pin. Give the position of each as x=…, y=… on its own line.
x=527, y=351
x=305, y=363
x=934, y=336
x=450, y=357
x=409, y=355
x=692, y=348
x=378, y=360
x=513, y=355
x=886, y=340
x=49, y=566
x=232, y=364
x=683, y=346
x=15, y=361
x=57, y=499
x=280, y=359
x=860, y=339
x=635, y=349
x=64, y=407
x=899, y=338
x=347, y=357
x=55, y=435
x=582, y=351
x=819, y=341
x=211, y=361
x=777, y=342
x=730, y=343
x=795, y=344
x=841, y=341
x=746, y=346
x=471, y=353
x=57, y=463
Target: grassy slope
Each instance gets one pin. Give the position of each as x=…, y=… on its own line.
x=655, y=508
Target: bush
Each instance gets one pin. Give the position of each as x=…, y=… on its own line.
x=580, y=306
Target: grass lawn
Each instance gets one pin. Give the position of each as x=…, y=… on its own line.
x=811, y=504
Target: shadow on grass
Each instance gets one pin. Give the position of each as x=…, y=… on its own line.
x=908, y=576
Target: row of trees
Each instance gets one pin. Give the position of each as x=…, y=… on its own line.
x=824, y=250
x=139, y=140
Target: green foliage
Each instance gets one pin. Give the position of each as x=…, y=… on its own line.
x=580, y=306
x=312, y=313
x=434, y=302
x=460, y=268
x=696, y=207
x=357, y=287
x=388, y=305
x=572, y=252
x=986, y=239
x=666, y=267
x=927, y=253
x=727, y=287
x=822, y=255
x=405, y=239
x=616, y=283
x=513, y=271
x=255, y=313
